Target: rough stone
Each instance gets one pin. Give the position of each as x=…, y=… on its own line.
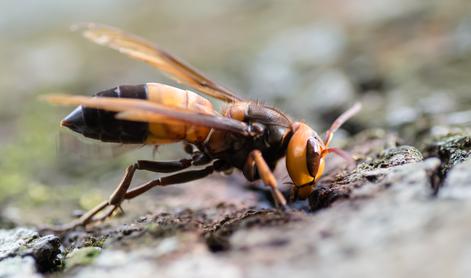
x=339, y=185
x=452, y=149
x=21, y=243
x=458, y=182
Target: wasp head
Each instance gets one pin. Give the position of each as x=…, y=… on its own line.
x=305, y=155
x=305, y=159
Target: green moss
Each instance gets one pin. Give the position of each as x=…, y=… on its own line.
x=81, y=256
x=93, y=241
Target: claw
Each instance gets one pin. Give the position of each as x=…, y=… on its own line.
x=121, y=210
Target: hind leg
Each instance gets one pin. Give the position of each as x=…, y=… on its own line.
x=119, y=193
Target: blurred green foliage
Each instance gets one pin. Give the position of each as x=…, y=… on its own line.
x=30, y=155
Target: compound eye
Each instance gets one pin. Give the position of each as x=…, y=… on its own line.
x=313, y=156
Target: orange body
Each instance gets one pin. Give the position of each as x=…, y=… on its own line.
x=165, y=133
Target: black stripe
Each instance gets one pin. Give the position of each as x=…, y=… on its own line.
x=104, y=126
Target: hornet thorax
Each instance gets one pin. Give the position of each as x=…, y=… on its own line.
x=271, y=129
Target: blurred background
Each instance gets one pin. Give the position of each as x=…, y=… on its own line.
x=408, y=62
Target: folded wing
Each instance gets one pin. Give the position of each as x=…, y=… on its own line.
x=145, y=111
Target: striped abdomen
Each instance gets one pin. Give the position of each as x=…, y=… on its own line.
x=102, y=125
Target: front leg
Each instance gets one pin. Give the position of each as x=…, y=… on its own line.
x=255, y=157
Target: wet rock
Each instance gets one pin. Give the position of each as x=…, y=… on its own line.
x=11, y=241
x=46, y=250
x=137, y=263
x=80, y=239
x=392, y=157
x=363, y=236
x=218, y=236
x=21, y=243
x=201, y=265
x=451, y=149
x=383, y=209
x=166, y=224
x=324, y=195
x=196, y=262
x=372, y=170
x=18, y=267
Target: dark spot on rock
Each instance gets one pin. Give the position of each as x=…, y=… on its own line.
x=217, y=243
x=451, y=150
x=127, y=232
x=372, y=178
x=217, y=236
x=45, y=252
x=324, y=195
x=279, y=242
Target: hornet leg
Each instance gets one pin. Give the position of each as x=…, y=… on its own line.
x=119, y=194
x=164, y=181
x=268, y=178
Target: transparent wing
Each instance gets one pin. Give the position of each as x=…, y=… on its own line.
x=143, y=50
